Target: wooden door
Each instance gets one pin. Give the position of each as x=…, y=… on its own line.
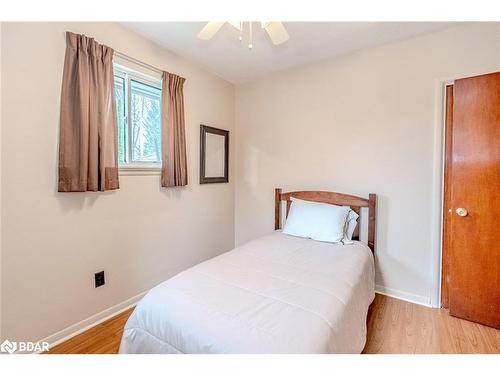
x=447, y=211
x=472, y=239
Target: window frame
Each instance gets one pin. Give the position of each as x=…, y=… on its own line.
x=128, y=75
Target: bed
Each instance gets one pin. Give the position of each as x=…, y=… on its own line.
x=275, y=294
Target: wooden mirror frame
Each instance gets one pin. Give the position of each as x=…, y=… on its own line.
x=329, y=197
x=204, y=129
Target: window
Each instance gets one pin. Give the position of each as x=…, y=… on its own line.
x=138, y=109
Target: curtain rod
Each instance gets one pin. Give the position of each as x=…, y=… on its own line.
x=138, y=62
x=131, y=59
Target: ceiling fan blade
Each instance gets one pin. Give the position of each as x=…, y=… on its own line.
x=236, y=24
x=209, y=30
x=276, y=32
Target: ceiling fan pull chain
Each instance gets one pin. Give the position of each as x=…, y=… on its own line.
x=250, y=45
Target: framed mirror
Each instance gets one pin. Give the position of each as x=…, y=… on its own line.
x=214, y=155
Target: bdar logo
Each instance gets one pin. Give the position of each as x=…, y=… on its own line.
x=8, y=347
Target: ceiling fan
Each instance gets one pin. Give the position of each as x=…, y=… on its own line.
x=276, y=31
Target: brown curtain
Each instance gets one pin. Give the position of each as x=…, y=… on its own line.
x=87, y=143
x=174, y=170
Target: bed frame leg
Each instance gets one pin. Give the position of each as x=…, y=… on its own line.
x=372, y=208
x=277, y=208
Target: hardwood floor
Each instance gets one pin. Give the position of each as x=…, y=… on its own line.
x=394, y=326
x=101, y=339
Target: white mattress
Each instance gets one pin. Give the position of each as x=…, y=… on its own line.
x=276, y=294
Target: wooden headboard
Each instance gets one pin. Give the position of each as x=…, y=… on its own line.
x=332, y=198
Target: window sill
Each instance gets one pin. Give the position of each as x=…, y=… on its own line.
x=139, y=171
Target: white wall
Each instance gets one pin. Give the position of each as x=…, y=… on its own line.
x=140, y=235
x=368, y=122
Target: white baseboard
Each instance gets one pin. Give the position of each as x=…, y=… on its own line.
x=82, y=326
x=405, y=296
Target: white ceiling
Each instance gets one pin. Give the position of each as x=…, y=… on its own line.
x=225, y=56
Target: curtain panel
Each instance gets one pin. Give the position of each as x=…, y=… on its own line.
x=174, y=170
x=87, y=144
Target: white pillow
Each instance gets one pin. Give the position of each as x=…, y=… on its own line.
x=318, y=221
x=352, y=221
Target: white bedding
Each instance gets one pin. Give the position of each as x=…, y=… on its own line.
x=276, y=294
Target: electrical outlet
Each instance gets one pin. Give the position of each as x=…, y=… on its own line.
x=99, y=279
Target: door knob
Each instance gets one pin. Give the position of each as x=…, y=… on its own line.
x=461, y=211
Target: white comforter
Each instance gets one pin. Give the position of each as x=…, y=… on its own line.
x=276, y=294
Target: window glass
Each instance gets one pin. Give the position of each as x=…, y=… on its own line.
x=138, y=112
x=146, y=122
